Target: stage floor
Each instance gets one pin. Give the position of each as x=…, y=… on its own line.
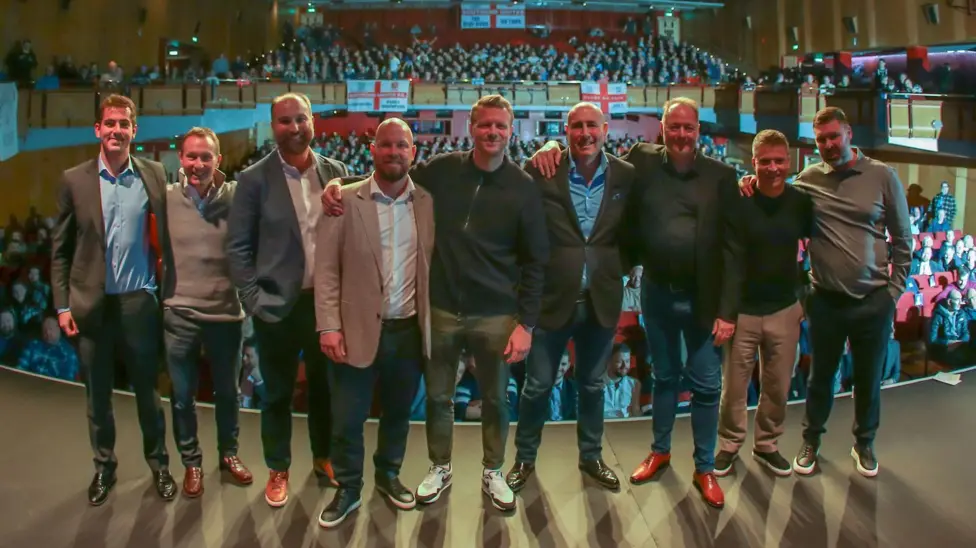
x=920, y=498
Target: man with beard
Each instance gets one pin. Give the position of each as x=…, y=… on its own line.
x=373, y=315
x=201, y=306
x=271, y=248
x=104, y=278
x=855, y=199
x=585, y=204
x=486, y=285
x=675, y=229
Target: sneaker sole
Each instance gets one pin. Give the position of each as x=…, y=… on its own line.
x=328, y=524
x=498, y=505
x=430, y=499
x=777, y=471
x=276, y=504
x=399, y=503
x=721, y=473
x=860, y=469
x=804, y=470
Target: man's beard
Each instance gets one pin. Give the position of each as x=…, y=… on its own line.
x=391, y=173
x=294, y=144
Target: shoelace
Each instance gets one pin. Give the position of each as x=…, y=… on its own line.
x=435, y=473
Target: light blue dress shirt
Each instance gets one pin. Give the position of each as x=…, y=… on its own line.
x=587, y=199
x=125, y=207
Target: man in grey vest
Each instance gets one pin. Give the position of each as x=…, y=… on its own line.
x=201, y=306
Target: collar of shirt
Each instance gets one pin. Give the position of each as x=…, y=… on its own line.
x=292, y=171
x=193, y=192
x=576, y=178
x=856, y=167
x=104, y=173
x=378, y=195
x=695, y=164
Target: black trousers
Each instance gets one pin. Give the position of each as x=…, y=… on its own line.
x=397, y=368
x=184, y=337
x=280, y=345
x=867, y=322
x=130, y=327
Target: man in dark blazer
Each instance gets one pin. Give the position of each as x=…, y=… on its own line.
x=271, y=247
x=585, y=203
x=105, y=274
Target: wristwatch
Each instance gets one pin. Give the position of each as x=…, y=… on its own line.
x=528, y=328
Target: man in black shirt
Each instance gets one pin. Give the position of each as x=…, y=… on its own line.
x=765, y=232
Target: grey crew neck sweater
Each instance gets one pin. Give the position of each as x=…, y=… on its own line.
x=198, y=283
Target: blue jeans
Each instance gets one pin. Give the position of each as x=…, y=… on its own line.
x=669, y=315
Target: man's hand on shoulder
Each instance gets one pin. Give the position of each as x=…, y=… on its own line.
x=547, y=158
x=747, y=185
x=332, y=198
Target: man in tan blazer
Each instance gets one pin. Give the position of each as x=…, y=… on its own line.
x=373, y=315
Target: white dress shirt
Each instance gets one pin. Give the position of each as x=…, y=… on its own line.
x=306, y=190
x=399, y=242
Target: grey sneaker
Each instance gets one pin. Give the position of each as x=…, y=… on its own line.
x=806, y=460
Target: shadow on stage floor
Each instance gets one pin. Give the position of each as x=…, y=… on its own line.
x=920, y=498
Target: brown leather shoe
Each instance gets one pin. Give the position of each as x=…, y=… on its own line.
x=237, y=470
x=193, y=482
x=323, y=469
x=654, y=463
x=276, y=491
x=710, y=491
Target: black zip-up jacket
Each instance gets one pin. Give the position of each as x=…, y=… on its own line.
x=491, y=243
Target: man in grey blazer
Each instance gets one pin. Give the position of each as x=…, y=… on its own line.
x=105, y=274
x=585, y=204
x=373, y=313
x=271, y=248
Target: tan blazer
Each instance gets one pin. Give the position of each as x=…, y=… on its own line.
x=349, y=276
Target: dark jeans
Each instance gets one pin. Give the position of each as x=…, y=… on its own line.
x=834, y=319
x=485, y=338
x=592, y=344
x=397, y=366
x=279, y=346
x=130, y=327
x=184, y=338
x=668, y=315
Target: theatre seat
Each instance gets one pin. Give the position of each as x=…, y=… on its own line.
x=908, y=319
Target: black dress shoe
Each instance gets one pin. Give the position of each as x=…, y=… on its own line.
x=101, y=486
x=345, y=502
x=400, y=496
x=598, y=470
x=165, y=484
x=519, y=474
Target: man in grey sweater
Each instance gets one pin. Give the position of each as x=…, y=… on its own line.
x=855, y=199
x=201, y=306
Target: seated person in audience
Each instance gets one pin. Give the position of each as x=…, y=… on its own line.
x=467, y=397
x=38, y=291
x=52, y=355
x=11, y=340
x=845, y=373
x=621, y=396
x=924, y=265
x=892, y=366
x=947, y=259
x=963, y=284
x=252, y=385
x=969, y=260
x=961, y=250
x=948, y=332
x=927, y=243
x=915, y=219
x=950, y=239
x=632, y=295
x=28, y=314
x=939, y=223
x=967, y=241
x=562, y=400
x=969, y=307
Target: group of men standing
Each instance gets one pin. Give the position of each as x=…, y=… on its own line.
x=386, y=279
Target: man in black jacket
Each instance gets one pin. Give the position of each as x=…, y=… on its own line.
x=486, y=281
x=585, y=204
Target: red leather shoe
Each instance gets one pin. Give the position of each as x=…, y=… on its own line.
x=193, y=482
x=276, y=491
x=323, y=469
x=237, y=470
x=654, y=463
x=710, y=491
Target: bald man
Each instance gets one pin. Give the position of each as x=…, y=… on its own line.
x=373, y=314
x=584, y=203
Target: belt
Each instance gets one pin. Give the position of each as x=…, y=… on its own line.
x=400, y=323
x=680, y=285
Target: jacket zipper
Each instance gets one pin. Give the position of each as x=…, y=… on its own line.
x=467, y=221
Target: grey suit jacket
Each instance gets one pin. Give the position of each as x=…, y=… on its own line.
x=78, y=240
x=349, y=272
x=264, y=241
x=569, y=250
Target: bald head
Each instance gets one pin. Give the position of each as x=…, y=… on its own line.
x=586, y=131
x=393, y=151
x=387, y=126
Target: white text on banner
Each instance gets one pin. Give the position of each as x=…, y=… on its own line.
x=377, y=95
x=492, y=16
x=611, y=98
x=8, y=121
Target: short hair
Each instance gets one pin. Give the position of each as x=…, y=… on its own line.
x=300, y=97
x=492, y=101
x=618, y=348
x=964, y=271
x=830, y=114
x=769, y=137
x=203, y=133
x=117, y=101
x=677, y=101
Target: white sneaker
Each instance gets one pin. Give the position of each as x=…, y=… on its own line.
x=438, y=479
x=494, y=485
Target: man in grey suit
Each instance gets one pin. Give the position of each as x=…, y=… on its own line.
x=271, y=247
x=373, y=310
x=105, y=254
x=585, y=203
